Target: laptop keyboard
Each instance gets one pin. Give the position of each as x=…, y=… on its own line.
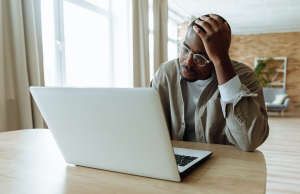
x=184, y=160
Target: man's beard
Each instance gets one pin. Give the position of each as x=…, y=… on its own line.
x=188, y=80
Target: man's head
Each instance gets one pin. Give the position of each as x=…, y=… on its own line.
x=189, y=70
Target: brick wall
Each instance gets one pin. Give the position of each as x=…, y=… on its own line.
x=244, y=48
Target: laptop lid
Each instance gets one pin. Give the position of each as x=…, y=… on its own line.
x=116, y=129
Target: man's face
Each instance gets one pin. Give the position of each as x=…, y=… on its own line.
x=189, y=70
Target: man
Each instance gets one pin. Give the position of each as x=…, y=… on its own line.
x=207, y=97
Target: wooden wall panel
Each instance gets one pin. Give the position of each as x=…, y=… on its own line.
x=244, y=48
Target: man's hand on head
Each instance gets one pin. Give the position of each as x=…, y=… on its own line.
x=216, y=39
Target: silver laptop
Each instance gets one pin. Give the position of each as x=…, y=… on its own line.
x=121, y=130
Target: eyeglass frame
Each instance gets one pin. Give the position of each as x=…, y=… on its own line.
x=190, y=53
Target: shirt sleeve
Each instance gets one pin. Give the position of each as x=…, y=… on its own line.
x=246, y=118
x=230, y=89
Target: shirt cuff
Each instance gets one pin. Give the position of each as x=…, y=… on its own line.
x=230, y=89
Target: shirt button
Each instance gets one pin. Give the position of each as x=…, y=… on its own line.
x=182, y=123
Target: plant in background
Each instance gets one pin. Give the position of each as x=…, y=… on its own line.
x=261, y=71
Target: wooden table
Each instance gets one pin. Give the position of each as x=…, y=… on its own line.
x=30, y=162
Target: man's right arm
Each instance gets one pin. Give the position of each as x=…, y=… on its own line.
x=158, y=83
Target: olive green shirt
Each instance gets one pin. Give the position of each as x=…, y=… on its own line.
x=243, y=123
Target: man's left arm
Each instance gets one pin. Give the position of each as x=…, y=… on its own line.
x=243, y=108
x=246, y=118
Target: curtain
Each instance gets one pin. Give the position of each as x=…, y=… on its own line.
x=20, y=64
x=160, y=20
x=140, y=33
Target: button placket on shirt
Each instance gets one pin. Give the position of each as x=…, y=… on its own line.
x=199, y=127
x=200, y=136
x=182, y=124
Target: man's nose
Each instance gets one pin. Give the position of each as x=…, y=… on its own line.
x=190, y=60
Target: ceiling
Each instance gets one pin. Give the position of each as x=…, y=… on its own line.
x=246, y=16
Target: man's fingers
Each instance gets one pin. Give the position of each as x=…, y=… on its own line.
x=204, y=25
x=210, y=21
x=218, y=19
x=228, y=30
x=199, y=31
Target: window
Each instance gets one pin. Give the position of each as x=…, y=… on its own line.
x=48, y=42
x=151, y=42
x=81, y=46
x=86, y=46
x=172, y=41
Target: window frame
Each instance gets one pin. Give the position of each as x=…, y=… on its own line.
x=60, y=65
x=151, y=32
x=173, y=40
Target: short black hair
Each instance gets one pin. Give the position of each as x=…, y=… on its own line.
x=207, y=15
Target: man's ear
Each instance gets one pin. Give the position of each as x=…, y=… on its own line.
x=228, y=30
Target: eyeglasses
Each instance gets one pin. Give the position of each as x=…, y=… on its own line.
x=198, y=59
